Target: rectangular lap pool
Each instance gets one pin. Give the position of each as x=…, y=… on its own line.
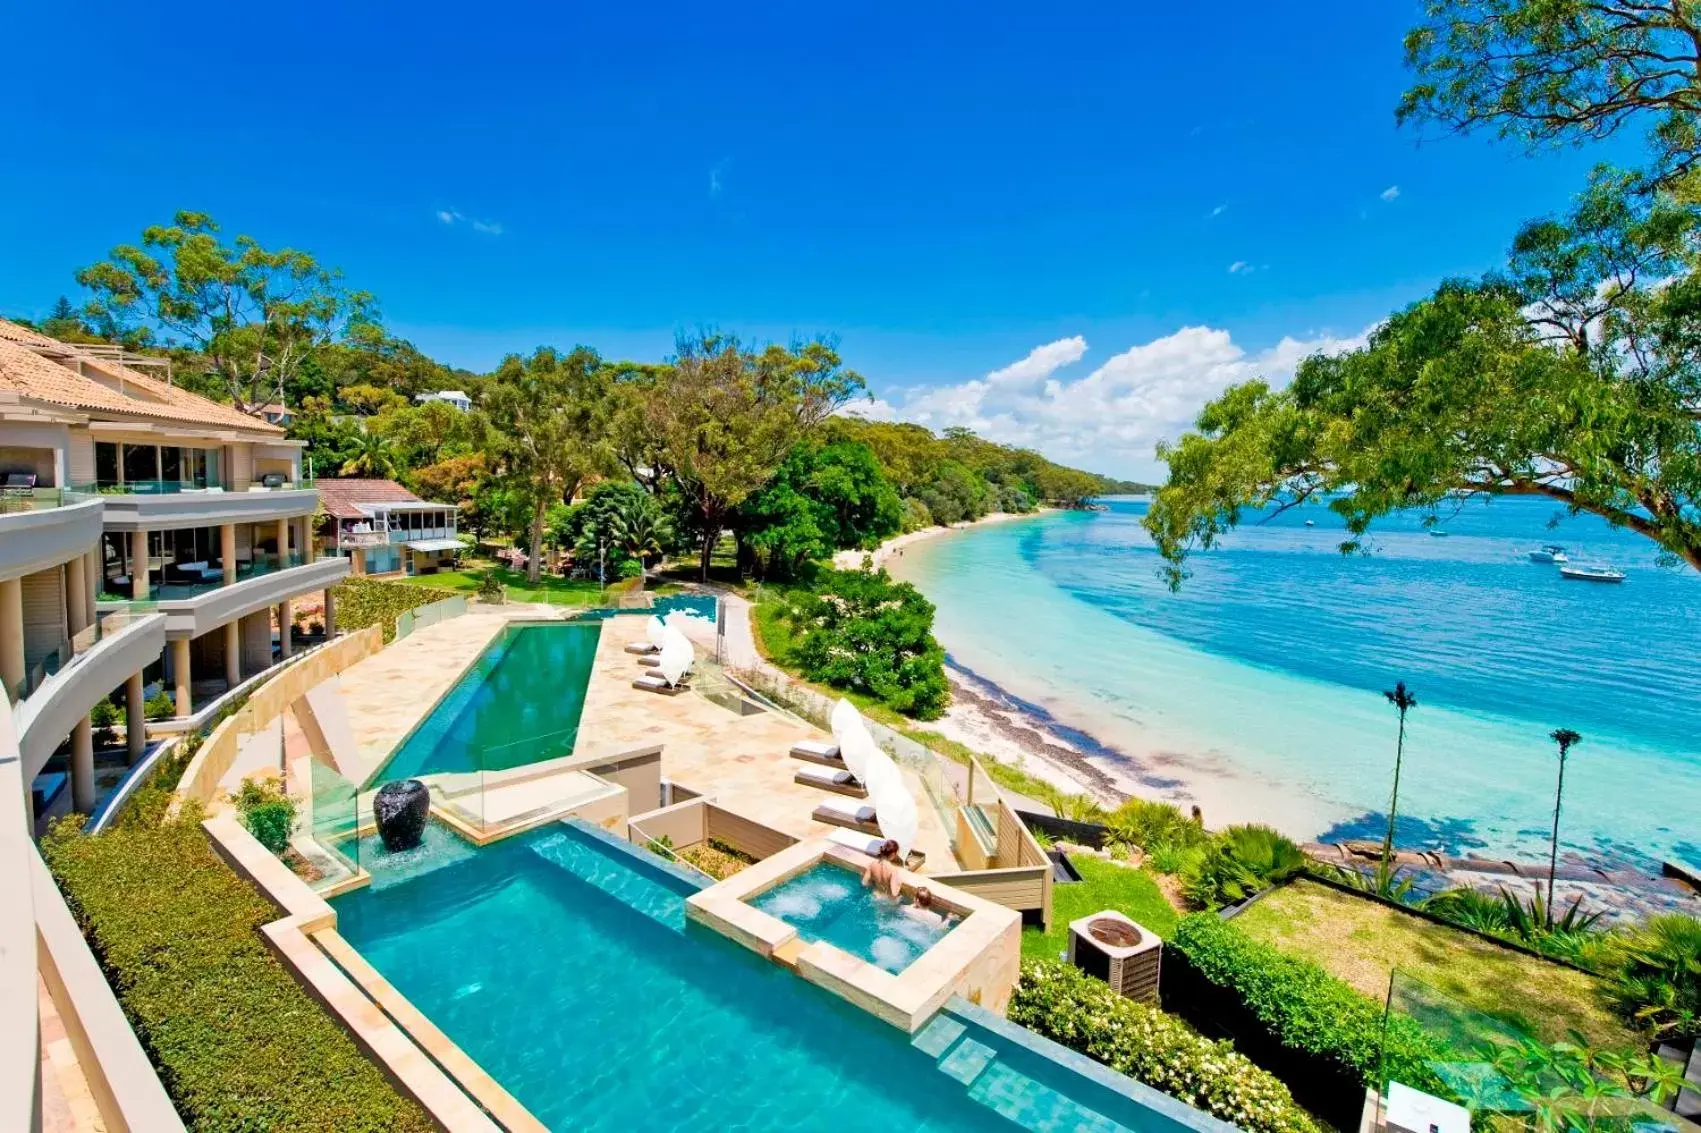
x=827, y=902
x=519, y=703
x=562, y=962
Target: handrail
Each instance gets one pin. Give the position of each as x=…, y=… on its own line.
x=20, y=1038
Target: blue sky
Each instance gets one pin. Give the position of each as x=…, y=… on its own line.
x=1053, y=195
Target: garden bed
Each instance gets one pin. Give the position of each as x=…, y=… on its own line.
x=1361, y=941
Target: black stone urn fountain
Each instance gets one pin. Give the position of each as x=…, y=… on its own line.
x=401, y=809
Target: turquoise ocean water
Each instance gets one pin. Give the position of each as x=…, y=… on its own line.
x=1256, y=691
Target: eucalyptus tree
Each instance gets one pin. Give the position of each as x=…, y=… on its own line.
x=547, y=415
x=251, y=316
x=724, y=415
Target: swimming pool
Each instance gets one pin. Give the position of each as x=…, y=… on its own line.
x=519, y=703
x=828, y=902
x=705, y=606
x=562, y=962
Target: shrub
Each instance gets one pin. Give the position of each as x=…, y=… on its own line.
x=1240, y=861
x=1306, y=1009
x=105, y=714
x=1058, y=1001
x=1657, y=982
x=149, y=803
x=490, y=589
x=1155, y=826
x=863, y=632
x=239, y=1044
x=159, y=706
x=362, y=602
x=267, y=811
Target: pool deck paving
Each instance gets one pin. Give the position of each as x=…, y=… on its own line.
x=740, y=762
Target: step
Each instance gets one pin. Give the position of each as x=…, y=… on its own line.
x=1003, y=1089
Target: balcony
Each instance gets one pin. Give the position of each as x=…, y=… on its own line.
x=45, y=528
x=194, y=608
x=141, y=504
x=63, y=687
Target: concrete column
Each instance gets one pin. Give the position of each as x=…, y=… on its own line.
x=227, y=551
x=180, y=670
x=284, y=617
x=83, y=767
x=12, y=635
x=233, y=652
x=359, y=566
x=139, y=566
x=330, y=613
x=92, y=579
x=76, y=586
x=283, y=540
x=135, y=718
x=309, y=540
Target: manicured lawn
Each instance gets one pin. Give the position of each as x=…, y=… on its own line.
x=1103, y=885
x=1361, y=941
x=549, y=588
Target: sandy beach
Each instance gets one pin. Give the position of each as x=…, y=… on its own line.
x=894, y=547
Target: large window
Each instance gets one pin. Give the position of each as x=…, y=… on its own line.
x=106, y=463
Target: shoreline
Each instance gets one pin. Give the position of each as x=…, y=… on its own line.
x=894, y=547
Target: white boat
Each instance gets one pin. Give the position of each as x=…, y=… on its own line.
x=1311, y=523
x=1591, y=573
x=1437, y=533
x=1550, y=553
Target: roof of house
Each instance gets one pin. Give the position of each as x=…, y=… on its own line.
x=343, y=498
x=45, y=369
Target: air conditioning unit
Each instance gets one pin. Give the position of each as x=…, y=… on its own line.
x=1116, y=950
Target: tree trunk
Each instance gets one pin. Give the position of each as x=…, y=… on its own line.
x=711, y=536
x=533, y=563
x=1394, y=799
x=1553, y=849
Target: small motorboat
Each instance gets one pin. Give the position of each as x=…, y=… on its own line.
x=1311, y=523
x=1591, y=573
x=1437, y=533
x=1550, y=553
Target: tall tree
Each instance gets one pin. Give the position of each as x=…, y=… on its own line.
x=254, y=316
x=1547, y=72
x=724, y=415
x=1403, y=701
x=549, y=412
x=374, y=456
x=1565, y=739
x=1574, y=375
x=639, y=528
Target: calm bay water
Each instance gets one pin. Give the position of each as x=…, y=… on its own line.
x=1256, y=691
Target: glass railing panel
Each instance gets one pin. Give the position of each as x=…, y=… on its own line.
x=14, y=500
x=332, y=826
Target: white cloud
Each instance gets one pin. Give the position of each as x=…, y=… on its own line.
x=1392, y=192
x=1111, y=419
x=453, y=217
x=1216, y=212
x=715, y=172
x=1241, y=267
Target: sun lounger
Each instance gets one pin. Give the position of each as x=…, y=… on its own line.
x=641, y=648
x=818, y=751
x=649, y=661
x=869, y=845
x=655, y=682
x=850, y=815
x=839, y=782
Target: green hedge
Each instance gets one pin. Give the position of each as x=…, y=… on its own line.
x=362, y=602
x=238, y=1043
x=1308, y=1010
x=1056, y=1000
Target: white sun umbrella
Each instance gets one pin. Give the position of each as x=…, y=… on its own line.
x=852, y=734
x=894, y=806
x=676, y=655
x=654, y=630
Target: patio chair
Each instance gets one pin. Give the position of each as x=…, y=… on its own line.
x=839, y=782
x=869, y=846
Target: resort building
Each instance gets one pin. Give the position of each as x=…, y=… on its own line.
x=151, y=541
x=382, y=528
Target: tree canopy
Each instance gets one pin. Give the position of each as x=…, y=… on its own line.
x=1573, y=374
x=252, y=316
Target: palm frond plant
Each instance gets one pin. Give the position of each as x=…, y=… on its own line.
x=639, y=528
x=1470, y=908
x=1403, y=701
x=1241, y=861
x=374, y=456
x=1657, y=984
x=1388, y=881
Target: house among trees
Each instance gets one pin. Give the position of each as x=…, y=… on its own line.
x=383, y=528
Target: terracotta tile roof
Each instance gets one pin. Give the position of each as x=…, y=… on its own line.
x=24, y=370
x=341, y=498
